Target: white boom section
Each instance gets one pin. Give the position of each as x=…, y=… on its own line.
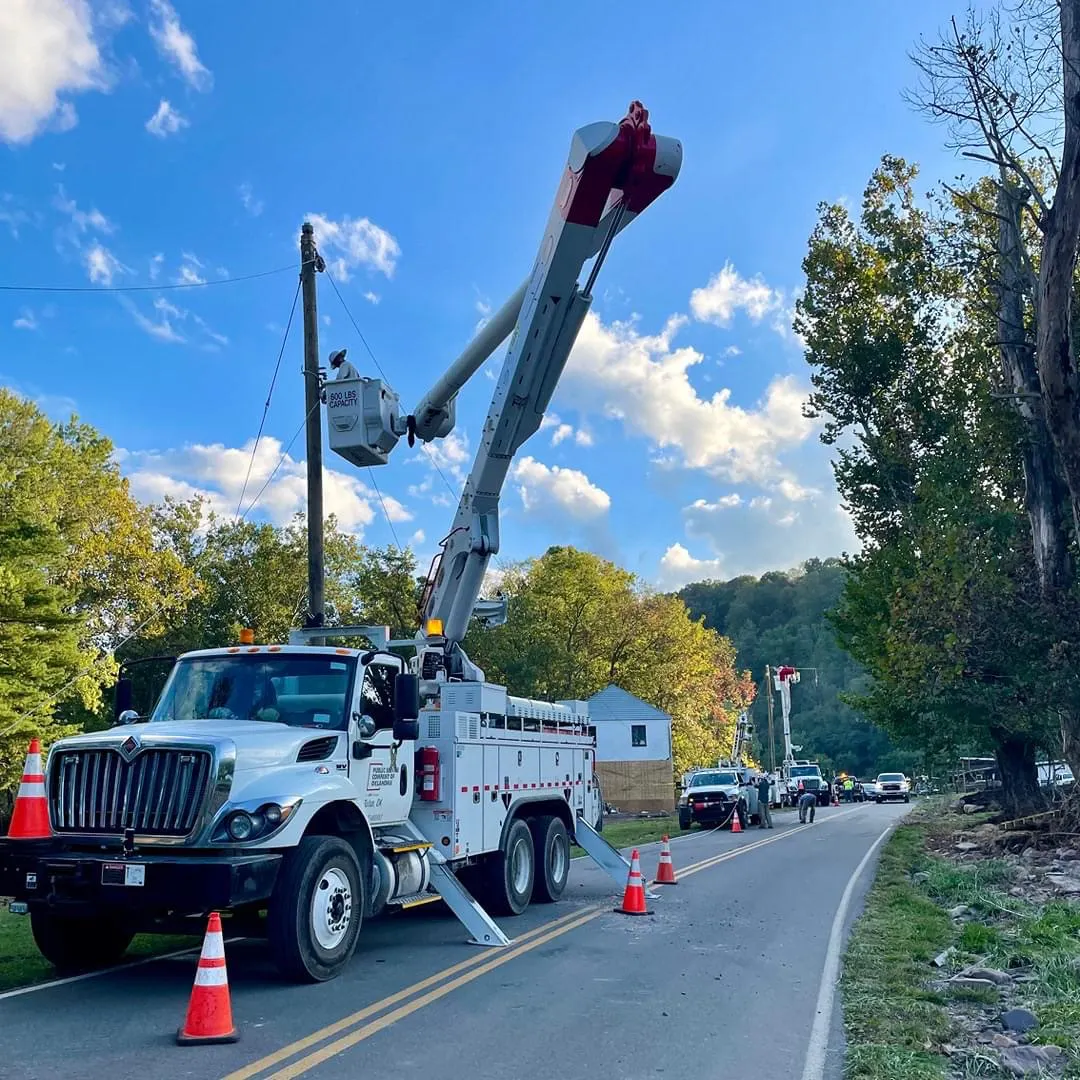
x=613, y=169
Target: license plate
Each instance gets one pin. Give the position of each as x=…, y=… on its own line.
x=132, y=874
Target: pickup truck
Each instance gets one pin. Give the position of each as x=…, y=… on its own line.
x=712, y=795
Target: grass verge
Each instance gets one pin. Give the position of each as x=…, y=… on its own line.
x=893, y=1022
x=622, y=834
x=22, y=965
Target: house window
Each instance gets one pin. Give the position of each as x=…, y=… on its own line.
x=637, y=735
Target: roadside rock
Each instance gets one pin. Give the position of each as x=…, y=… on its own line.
x=1021, y=1020
x=966, y=845
x=969, y=809
x=992, y=975
x=965, y=983
x=1003, y=1042
x=959, y=911
x=1064, y=883
x=1024, y=1060
x=920, y=877
x=1029, y=854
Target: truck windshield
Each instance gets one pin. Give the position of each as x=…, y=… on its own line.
x=891, y=777
x=702, y=779
x=295, y=689
x=805, y=770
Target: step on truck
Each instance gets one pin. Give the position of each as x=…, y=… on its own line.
x=305, y=787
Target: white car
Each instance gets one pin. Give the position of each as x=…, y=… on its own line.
x=893, y=785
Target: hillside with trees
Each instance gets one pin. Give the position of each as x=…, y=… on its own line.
x=782, y=618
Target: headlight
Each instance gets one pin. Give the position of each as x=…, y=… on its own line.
x=242, y=826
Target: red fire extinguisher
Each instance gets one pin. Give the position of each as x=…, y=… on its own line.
x=427, y=769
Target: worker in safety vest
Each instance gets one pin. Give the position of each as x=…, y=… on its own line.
x=849, y=789
x=343, y=367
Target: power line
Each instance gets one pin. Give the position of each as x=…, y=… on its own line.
x=386, y=513
x=431, y=457
x=142, y=288
x=269, y=395
x=359, y=332
x=281, y=461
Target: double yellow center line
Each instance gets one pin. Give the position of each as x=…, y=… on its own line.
x=381, y=1014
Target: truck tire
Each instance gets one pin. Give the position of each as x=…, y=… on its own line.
x=510, y=873
x=685, y=821
x=316, y=909
x=551, y=848
x=74, y=944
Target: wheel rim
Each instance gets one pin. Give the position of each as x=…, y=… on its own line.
x=558, y=862
x=331, y=908
x=520, y=866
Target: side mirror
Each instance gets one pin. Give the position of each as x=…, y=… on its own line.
x=406, y=697
x=122, y=700
x=406, y=730
x=128, y=716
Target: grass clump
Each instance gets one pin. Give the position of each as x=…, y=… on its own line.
x=893, y=1021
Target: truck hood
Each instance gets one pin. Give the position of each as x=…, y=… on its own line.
x=257, y=745
x=730, y=790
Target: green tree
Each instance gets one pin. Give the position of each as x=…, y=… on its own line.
x=926, y=460
x=577, y=623
x=79, y=572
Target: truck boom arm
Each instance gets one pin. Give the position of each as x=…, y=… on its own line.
x=614, y=170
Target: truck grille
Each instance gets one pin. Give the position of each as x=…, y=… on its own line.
x=159, y=793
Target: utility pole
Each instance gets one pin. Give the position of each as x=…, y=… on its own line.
x=768, y=698
x=311, y=263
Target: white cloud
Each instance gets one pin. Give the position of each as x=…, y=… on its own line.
x=49, y=50
x=252, y=205
x=544, y=489
x=166, y=320
x=217, y=472
x=561, y=431
x=189, y=276
x=102, y=266
x=728, y=292
x=11, y=215
x=353, y=242
x=750, y=538
x=155, y=266
x=372, y=298
x=447, y=455
x=678, y=568
x=92, y=220
x=166, y=121
x=733, y=350
x=417, y=538
x=177, y=45
x=26, y=320
x=644, y=382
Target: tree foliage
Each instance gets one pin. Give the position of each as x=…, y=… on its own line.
x=905, y=372
x=781, y=618
x=80, y=571
x=578, y=623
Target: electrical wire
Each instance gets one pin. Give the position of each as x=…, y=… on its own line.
x=269, y=395
x=281, y=460
x=359, y=332
x=143, y=288
x=386, y=513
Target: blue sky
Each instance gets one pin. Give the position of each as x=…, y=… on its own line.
x=146, y=144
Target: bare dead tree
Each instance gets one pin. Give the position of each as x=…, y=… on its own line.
x=1006, y=86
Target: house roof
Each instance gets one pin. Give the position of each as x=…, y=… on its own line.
x=615, y=703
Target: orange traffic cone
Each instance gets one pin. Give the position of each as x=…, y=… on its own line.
x=30, y=821
x=835, y=799
x=209, y=1015
x=665, y=872
x=633, y=902
x=736, y=824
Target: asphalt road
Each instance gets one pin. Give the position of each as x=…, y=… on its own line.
x=722, y=980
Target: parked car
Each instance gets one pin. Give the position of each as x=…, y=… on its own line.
x=893, y=786
x=870, y=789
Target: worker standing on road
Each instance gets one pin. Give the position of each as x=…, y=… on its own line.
x=849, y=789
x=807, y=806
x=764, y=788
